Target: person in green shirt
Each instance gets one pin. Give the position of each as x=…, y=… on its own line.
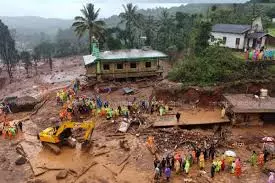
x=253, y=158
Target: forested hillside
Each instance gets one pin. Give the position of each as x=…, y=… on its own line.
x=30, y=30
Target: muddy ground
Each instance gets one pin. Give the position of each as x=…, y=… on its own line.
x=108, y=168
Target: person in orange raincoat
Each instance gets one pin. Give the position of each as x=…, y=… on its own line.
x=261, y=159
x=238, y=168
x=194, y=156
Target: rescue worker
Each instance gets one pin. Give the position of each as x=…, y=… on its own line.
x=253, y=158
x=223, y=164
x=271, y=178
x=156, y=162
x=266, y=153
x=177, y=166
x=163, y=164
x=261, y=159
x=201, y=159
x=238, y=167
x=223, y=113
x=212, y=170
x=218, y=167
x=233, y=166
x=157, y=173
x=20, y=126
x=194, y=155
x=187, y=166
x=178, y=117
x=167, y=173
x=161, y=111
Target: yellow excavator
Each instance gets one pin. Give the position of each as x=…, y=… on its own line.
x=55, y=137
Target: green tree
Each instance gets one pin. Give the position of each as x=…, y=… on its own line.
x=216, y=64
x=132, y=22
x=26, y=59
x=165, y=35
x=46, y=50
x=149, y=25
x=88, y=22
x=112, y=38
x=8, y=53
x=202, y=37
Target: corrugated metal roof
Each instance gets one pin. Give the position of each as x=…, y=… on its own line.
x=256, y=35
x=247, y=103
x=231, y=28
x=131, y=54
x=89, y=59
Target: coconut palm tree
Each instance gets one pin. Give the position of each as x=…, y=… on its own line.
x=88, y=22
x=132, y=22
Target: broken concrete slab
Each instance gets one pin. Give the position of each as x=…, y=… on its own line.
x=123, y=127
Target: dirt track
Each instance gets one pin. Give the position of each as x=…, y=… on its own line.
x=140, y=164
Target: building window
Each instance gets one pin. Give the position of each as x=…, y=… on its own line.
x=238, y=41
x=106, y=67
x=119, y=66
x=147, y=64
x=133, y=65
x=224, y=40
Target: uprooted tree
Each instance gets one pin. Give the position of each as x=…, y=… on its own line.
x=8, y=52
x=26, y=59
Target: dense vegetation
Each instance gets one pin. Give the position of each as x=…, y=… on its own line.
x=184, y=29
x=215, y=64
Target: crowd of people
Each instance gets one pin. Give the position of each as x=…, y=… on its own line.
x=74, y=105
x=260, y=54
x=181, y=163
x=8, y=129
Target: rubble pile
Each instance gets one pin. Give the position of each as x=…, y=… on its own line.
x=173, y=138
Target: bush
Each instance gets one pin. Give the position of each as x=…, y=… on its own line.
x=216, y=64
x=271, y=69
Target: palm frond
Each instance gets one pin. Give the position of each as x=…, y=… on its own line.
x=79, y=18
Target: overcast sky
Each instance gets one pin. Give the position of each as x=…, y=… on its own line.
x=67, y=9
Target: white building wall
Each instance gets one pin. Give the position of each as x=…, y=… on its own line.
x=230, y=39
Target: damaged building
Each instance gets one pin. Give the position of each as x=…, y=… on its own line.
x=249, y=109
x=119, y=64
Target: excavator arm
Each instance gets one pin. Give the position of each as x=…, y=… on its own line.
x=88, y=126
x=51, y=137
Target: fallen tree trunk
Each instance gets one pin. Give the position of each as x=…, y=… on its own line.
x=39, y=107
x=101, y=153
x=85, y=170
x=114, y=173
x=122, y=168
x=125, y=159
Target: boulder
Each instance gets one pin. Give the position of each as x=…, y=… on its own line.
x=20, y=160
x=62, y=174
